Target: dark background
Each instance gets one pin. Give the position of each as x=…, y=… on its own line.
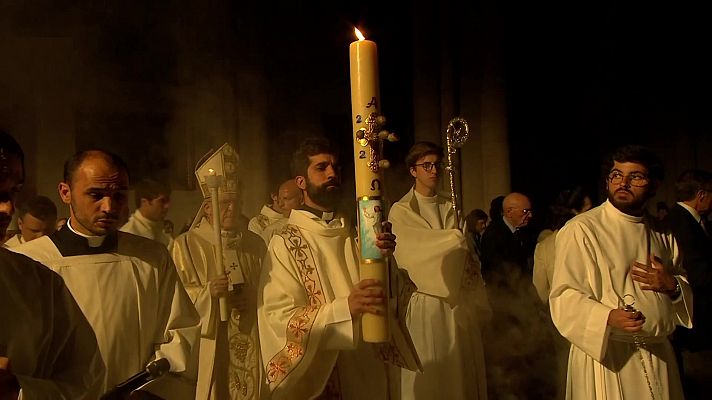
x=579, y=78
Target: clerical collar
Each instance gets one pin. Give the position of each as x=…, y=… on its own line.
x=92, y=241
x=69, y=242
x=325, y=216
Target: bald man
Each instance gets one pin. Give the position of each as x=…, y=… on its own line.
x=504, y=246
x=518, y=338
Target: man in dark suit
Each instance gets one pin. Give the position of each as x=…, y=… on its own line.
x=506, y=246
x=518, y=338
x=687, y=220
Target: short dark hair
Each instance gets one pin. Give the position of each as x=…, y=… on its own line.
x=10, y=147
x=307, y=148
x=476, y=215
x=40, y=207
x=420, y=150
x=150, y=189
x=496, y=207
x=635, y=154
x=692, y=181
x=74, y=162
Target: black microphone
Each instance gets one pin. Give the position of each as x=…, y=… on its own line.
x=154, y=369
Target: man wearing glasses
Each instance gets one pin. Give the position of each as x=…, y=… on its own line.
x=518, y=345
x=618, y=292
x=505, y=247
x=442, y=317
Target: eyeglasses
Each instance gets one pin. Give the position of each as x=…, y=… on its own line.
x=635, y=179
x=428, y=166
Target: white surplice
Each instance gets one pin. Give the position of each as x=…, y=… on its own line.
x=230, y=365
x=14, y=241
x=543, y=272
x=442, y=315
x=310, y=344
x=260, y=223
x=51, y=347
x=594, y=256
x=133, y=300
x=142, y=226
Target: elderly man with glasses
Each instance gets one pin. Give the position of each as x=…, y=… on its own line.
x=519, y=345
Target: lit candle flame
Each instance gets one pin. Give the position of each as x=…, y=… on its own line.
x=359, y=35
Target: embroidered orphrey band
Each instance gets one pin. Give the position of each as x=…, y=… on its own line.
x=300, y=324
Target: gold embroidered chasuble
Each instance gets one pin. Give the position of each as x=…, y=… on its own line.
x=310, y=345
x=230, y=366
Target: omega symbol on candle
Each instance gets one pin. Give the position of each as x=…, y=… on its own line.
x=375, y=184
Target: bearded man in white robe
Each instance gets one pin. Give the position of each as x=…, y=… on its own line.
x=618, y=290
x=311, y=298
x=47, y=348
x=125, y=285
x=442, y=315
x=230, y=365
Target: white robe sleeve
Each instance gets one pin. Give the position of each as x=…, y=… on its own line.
x=578, y=316
x=194, y=282
x=179, y=339
x=543, y=259
x=434, y=258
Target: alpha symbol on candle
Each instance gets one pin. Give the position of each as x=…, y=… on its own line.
x=372, y=103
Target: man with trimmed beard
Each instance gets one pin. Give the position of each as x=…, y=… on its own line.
x=618, y=290
x=125, y=285
x=311, y=297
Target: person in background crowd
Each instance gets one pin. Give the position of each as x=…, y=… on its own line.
x=36, y=217
x=687, y=221
x=153, y=199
